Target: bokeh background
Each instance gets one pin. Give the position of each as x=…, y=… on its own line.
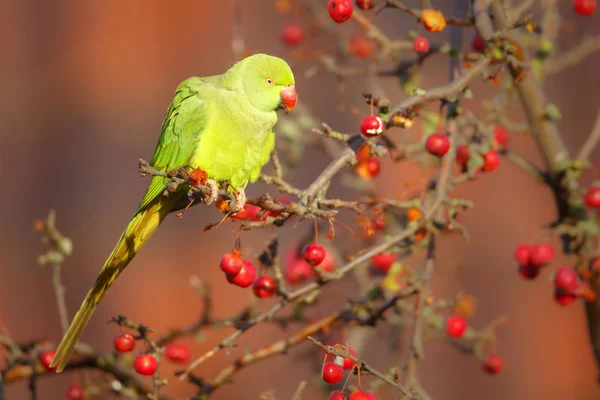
x=83, y=90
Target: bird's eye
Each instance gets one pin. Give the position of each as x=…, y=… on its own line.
x=269, y=81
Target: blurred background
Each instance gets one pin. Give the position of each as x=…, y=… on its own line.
x=83, y=90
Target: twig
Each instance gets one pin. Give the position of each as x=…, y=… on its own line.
x=591, y=141
x=572, y=57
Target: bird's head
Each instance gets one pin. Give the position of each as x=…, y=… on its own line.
x=268, y=83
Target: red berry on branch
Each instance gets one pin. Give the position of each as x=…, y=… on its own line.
x=253, y=213
x=124, y=342
x=478, y=43
x=566, y=279
x=456, y=326
x=75, y=392
x=358, y=395
x=528, y=271
x=177, y=352
x=292, y=34
x=340, y=10
x=371, y=126
x=313, y=254
x=563, y=298
x=337, y=396
x=348, y=363
x=264, y=287
x=378, y=222
x=383, y=261
x=421, y=44
x=592, y=197
x=522, y=254
x=373, y=167
x=145, y=364
x=241, y=215
x=493, y=364
x=365, y=4
x=332, y=373
x=437, y=144
x=491, y=161
x=231, y=263
x=46, y=358
x=462, y=155
x=585, y=7
x=361, y=46
x=500, y=135
x=298, y=271
x=245, y=277
x=541, y=254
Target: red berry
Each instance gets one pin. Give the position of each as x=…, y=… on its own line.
x=241, y=215
x=337, y=396
x=340, y=10
x=522, y=254
x=500, y=135
x=378, y=222
x=75, y=392
x=253, y=213
x=145, y=364
x=493, y=364
x=585, y=7
x=462, y=155
x=365, y=4
x=541, y=254
x=456, y=326
x=328, y=263
x=332, y=373
x=358, y=395
x=348, y=363
x=245, y=277
x=421, y=44
x=177, y=352
x=264, y=287
x=373, y=166
x=231, y=263
x=313, y=254
x=562, y=298
x=124, y=342
x=299, y=271
x=371, y=126
x=383, y=261
x=566, y=279
x=491, y=161
x=592, y=197
x=46, y=358
x=361, y=46
x=478, y=43
x=437, y=144
x=292, y=34
x=528, y=271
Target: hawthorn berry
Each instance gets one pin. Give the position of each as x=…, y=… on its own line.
x=371, y=126
x=383, y=261
x=337, y=396
x=462, y=155
x=528, y=271
x=478, y=43
x=340, y=10
x=292, y=34
x=313, y=254
x=348, y=363
x=231, y=263
x=585, y=7
x=75, y=392
x=124, y=342
x=421, y=44
x=491, y=161
x=298, y=271
x=493, y=364
x=566, y=279
x=437, y=144
x=592, y=197
x=456, y=326
x=368, y=168
x=413, y=214
x=245, y=277
x=332, y=373
x=264, y=287
x=500, y=135
x=563, y=298
x=145, y=364
x=361, y=46
x=522, y=254
x=241, y=215
x=359, y=395
x=377, y=222
x=46, y=358
x=177, y=352
x=541, y=254
x=365, y=4
x=373, y=166
x=433, y=20
x=253, y=213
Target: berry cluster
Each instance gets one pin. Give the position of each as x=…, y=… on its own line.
x=532, y=258
x=301, y=267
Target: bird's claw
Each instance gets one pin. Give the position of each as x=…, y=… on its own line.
x=214, y=192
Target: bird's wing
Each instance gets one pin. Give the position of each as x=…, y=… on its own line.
x=186, y=119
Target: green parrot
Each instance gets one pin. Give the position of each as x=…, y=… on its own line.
x=222, y=124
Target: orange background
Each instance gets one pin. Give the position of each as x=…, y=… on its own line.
x=84, y=87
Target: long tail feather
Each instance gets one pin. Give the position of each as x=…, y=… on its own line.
x=139, y=230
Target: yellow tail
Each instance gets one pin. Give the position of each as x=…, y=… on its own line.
x=139, y=230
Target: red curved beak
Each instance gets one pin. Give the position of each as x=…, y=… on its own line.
x=288, y=98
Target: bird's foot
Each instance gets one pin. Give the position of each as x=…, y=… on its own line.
x=214, y=192
x=239, y=201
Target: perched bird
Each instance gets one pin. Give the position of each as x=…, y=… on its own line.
x=222, y=124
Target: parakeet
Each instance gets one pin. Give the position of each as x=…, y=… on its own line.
x=222, y=124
